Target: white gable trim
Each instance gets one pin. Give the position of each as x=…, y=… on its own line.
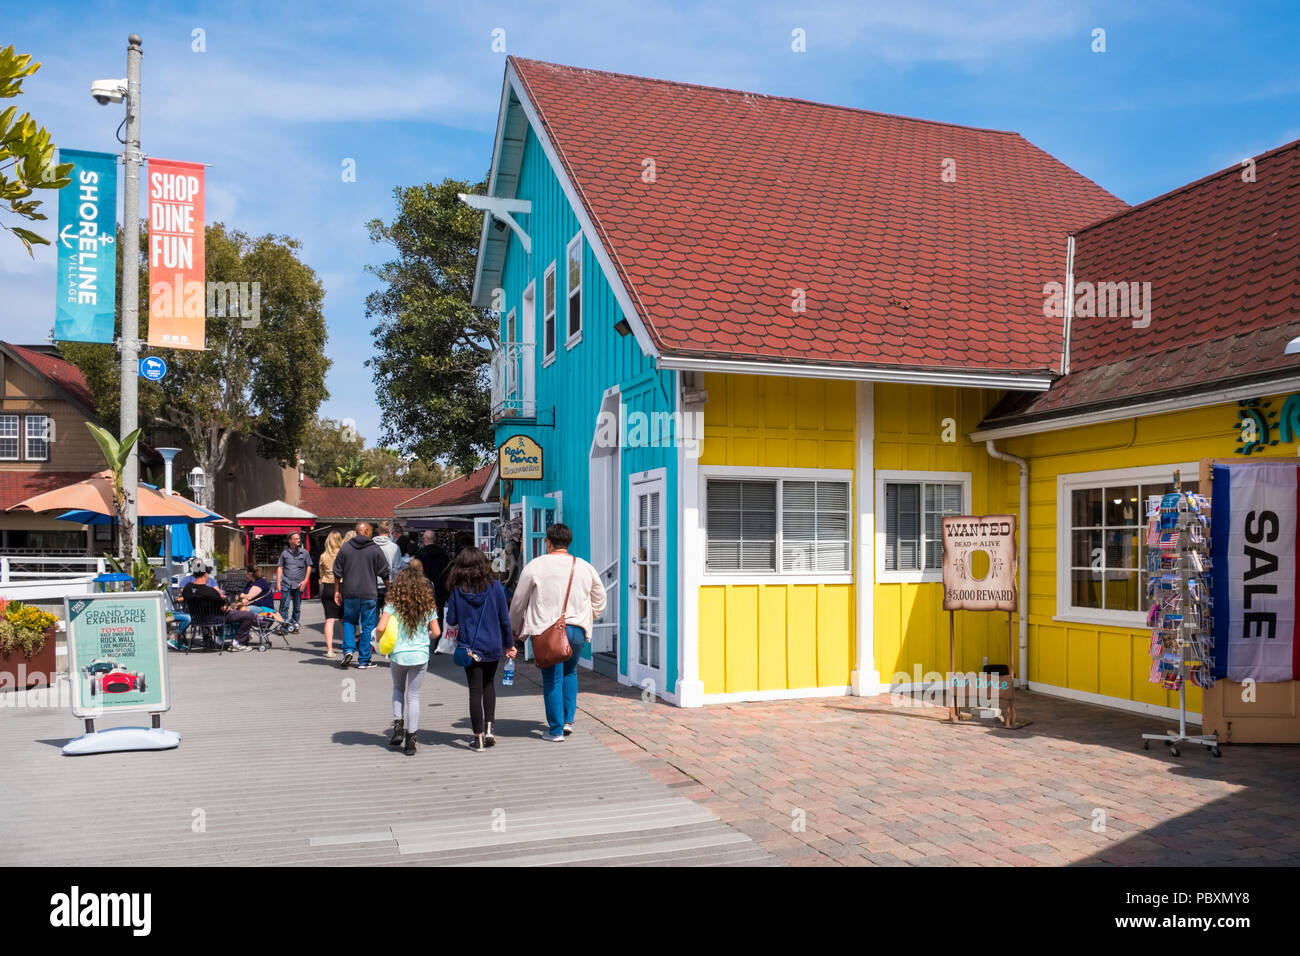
x=602, y=256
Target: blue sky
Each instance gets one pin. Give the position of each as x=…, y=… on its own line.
x=286, y=92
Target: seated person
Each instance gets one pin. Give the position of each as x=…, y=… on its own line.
x=180, y=617
x=207, y=593
x=257, y=596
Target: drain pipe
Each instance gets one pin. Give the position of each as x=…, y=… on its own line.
x=1022, y=670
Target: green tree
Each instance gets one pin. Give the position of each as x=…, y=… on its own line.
x=433, y=347
x=392, y=470
x=116, y=455
x=26, y=154
x=352, y=474
x=326, y=445
x=262, y=379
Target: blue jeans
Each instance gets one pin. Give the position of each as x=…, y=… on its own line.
x=291, y=593
x=560, y=685
x=360, y=613
x=182, y=622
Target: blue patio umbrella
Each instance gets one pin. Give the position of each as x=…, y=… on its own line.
x=182, y=543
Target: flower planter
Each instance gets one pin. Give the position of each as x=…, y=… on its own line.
x=19, y=672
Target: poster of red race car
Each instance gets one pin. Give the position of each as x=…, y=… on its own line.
x=116, y=681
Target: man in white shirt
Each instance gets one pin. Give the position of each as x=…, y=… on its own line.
x=538, y=603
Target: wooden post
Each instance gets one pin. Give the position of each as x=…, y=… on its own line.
x=1009, y=711
x=952, y=667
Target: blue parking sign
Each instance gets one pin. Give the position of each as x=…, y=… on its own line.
x=153, y=368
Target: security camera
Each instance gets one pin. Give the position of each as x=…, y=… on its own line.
x=108, y=91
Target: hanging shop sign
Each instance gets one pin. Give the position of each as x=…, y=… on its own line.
x=963, y=538
x=117, y=653
x=519, y=457
x=87, y=244
x=1253, y=556
x=177, y=287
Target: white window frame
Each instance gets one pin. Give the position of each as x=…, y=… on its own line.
x=1066, y=484
x=27, y=437
x=550, y=273
x=923, y=576
x=707, y=577
x=18, y=437
x=572, y=339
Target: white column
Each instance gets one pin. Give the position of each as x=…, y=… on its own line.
x=866, y=678
x=690, y=689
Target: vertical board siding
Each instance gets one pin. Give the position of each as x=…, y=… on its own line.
x=570, y=389
x=911, y=627
x=780, y=636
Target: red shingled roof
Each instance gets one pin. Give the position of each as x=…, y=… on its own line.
x=465, y=490
x=63, y=373
x=1223, y=260
x=17, y=486
x=354, y=504
x=756, y=196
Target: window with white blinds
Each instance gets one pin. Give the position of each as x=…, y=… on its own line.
x=914, y=512
x=777, y=525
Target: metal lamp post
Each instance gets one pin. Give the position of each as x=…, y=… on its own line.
x=199, y=482
x=130, y=341
x=168, y=454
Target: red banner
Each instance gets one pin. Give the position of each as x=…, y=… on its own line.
x=177, y=286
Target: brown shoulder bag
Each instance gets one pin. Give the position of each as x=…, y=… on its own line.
x=552, y=646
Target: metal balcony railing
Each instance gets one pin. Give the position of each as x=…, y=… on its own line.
x=513, y=385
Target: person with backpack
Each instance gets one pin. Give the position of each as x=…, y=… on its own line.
x=552, y=586
x=478, y=608
x=410, y=602
x=357, y=569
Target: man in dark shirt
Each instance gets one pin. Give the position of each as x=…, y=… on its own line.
x=434, y=559
x=358, y=567
x=205, y=593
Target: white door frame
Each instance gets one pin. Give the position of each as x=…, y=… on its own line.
x=646, y=482
x=604, y=473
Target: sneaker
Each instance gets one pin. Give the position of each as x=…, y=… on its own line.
x=477, y=745
x=347, y=661
x=294, y=627
x=568, y=729
x=366, y=666
x=553, y=738
x=488, y=739
x=236, y=646
x=173, y=643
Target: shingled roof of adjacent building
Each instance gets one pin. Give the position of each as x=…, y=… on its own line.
x=59, y=371
x=755, y=197
x=354, y=504
x=1222, y=255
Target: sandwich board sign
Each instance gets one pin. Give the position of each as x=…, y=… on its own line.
x=117, y=664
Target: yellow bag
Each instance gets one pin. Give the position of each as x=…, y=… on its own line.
x=388, y=640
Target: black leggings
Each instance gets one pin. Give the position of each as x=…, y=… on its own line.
x=481, y=676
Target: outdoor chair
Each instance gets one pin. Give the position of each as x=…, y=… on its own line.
x=208, y=622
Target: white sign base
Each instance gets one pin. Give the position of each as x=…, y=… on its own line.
x=120, y=739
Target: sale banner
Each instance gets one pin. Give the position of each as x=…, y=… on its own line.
x=87, y=268
x=177, y=287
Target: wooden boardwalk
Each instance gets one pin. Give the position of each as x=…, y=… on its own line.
x=285, y=760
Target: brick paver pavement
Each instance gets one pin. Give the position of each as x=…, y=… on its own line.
x=872, y=783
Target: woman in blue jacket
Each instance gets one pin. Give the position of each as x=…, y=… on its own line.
x=479, y=608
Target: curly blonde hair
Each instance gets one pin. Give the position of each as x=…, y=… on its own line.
x=411, y=598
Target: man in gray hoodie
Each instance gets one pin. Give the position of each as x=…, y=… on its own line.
x=394, y=555
x=358, y=565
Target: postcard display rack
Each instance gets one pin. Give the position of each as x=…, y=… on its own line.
x=1181, y=612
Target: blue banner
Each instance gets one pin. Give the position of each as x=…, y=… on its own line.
x=87, y=242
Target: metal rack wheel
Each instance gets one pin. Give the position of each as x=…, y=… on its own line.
x=1174, y=751
x=1216, y=752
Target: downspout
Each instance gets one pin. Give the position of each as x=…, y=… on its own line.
x=1022, y=669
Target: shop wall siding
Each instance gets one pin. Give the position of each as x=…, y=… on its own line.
x=1111, y=661
x=781, y=636
x=569, y=390
x=911, y=627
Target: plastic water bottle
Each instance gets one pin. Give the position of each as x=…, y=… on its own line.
x=508, y=676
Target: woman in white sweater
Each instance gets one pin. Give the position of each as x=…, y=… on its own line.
x=538, y=603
